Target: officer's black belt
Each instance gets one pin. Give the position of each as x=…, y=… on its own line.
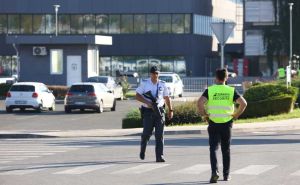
x=149, y=109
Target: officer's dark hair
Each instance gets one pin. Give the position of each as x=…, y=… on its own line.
x=221, y=74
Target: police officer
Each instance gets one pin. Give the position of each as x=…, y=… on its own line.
x=159, y=90
x=216, y=105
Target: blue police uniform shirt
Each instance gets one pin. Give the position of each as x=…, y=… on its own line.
x=147, y=85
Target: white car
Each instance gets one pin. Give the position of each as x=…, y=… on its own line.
x=95, y=96
x=173, y=82
x=32, y=95
x=110, y=83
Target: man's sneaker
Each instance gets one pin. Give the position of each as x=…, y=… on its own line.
x=142, y=156
x=214, y=179
x=160, y=160
x=227, y=177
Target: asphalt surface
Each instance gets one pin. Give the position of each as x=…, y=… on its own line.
x=269, y=158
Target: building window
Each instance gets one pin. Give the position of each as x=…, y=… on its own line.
x=50, y=24
x=39, y=24
x=114, y=24
x=76, y=24
x=105, y=66
x=178, y=23
x=102, y=24
x=26, y=24
x=187, y=23
x=3, y=24
x=89, y=24
x=13, y=24
x=152, y=23
x=56, y=61
x=126, y=23
x=8, y=66
x=139, y=23
x=64, y=24
x=165, y=23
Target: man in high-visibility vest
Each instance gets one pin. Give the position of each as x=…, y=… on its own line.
x=216, y=106
x=280, y=73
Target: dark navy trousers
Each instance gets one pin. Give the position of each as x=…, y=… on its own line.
x=151, y=121
x=220, y=133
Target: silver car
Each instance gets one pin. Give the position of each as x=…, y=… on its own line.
x=89, y=96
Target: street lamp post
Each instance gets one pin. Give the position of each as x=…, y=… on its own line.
x=56, y=11
x=291, y=44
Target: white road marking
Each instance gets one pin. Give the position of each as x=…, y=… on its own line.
x=196, y=169
x=254, y=169
x=264, y=132
x=23, y=118
x=20, y=172
x=3, y=162
x=297, y=173
x=140, y=169
x=83, y=169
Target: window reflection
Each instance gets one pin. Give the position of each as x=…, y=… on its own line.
x=178, y=23
x=102, y=24
x=126, y=23
x=76, y=24
x=64, y=24
x=13, y=24
x=26, y=24
x=39, y=24
x=8, y=66
x=89, y=24
x=3, y=24
x=50, y=24
x=152, y=23
x=116, y=65
x=105, y=66
x=165, y=23
x=139, y=23
x=114, y=24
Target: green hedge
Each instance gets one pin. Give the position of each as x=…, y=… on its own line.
x=4, y=88
x=277, y=105
x=183, y=114
x=58, y=91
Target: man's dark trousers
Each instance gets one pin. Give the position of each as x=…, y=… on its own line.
x=220, y=132
x=150, y=121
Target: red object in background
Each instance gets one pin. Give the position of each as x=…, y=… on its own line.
x=246, y=67
x=1, y=70
x=235, y=65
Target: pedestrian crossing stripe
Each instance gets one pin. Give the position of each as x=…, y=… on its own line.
x=141, y=168
x=84, y=169
x=254, y=169
x=196, y=169
x=21, y=172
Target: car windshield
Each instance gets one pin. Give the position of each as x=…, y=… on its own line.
x=23, y=88
x=98, y=79
x=82, y=88
x=166, y=78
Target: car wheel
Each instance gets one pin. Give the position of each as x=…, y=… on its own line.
x=52, y=108
x=180, y=95
x=114, y=106
x=39, y=109
x=100, y=108
x=67, y=110
x=9, y=110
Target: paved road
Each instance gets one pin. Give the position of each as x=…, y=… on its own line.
x=263, y=159
x=59, y=121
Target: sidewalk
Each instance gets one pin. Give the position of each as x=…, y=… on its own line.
x=272, y=126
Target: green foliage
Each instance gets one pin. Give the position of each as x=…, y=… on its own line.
x=274, y=106
x=269, y=91
x=4, y=88
x=132, y=119
x=185, y=113
x=125, y=85
x=58, y=91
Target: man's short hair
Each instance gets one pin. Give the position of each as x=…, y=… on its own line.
x=221, y=74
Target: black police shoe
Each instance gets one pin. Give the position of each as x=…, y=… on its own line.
x=142, y=156
x=214, y=178
x=160, y=160
x=227, y=177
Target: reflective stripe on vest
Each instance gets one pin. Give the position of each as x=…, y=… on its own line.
x=220, y=106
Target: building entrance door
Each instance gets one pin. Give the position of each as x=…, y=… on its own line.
x=73, y=69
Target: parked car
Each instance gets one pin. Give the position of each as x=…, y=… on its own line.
x=33, y=95
x=173, y=82
x=110, y=83
x=88, y=95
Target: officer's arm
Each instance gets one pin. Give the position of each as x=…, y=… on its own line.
x=170, y=107
x=242, y=106
x=201, y=102
x=140, y=98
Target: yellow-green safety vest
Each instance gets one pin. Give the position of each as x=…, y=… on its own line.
x=281, y=73
x=220, y=105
